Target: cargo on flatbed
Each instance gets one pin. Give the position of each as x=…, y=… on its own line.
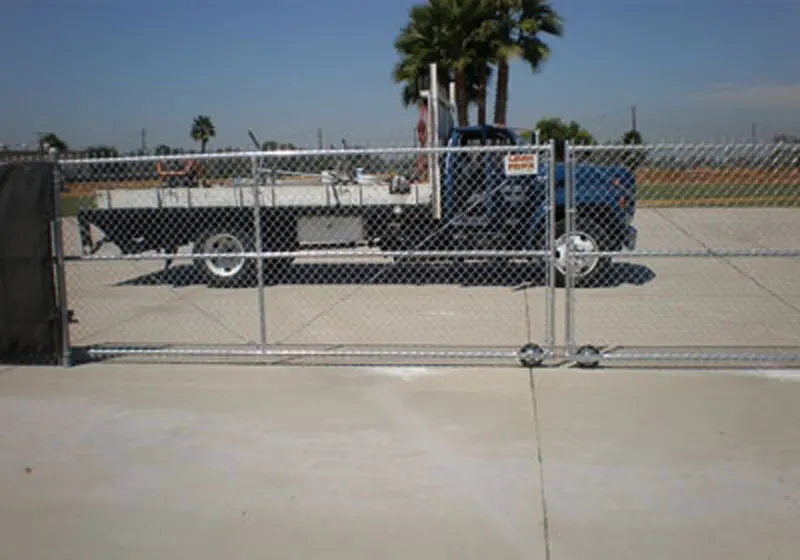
x=272, y=196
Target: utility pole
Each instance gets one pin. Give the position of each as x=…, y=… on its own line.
x=633, y=117
x=319, y=139
x=144, y=141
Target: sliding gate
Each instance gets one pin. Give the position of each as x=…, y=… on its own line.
x=311, y=255
x=714, y=274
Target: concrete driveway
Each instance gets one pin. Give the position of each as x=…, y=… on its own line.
x=176, y=461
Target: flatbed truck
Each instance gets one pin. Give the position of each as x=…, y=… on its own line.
x=496, y=198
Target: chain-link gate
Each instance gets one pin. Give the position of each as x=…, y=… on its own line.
x=432, y=254
x=713, y=275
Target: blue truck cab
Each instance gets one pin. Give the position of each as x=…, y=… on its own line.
x=487, y=203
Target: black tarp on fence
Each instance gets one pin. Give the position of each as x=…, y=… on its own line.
x=30, y=320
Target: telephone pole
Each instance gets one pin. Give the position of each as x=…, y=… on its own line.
x=144, y=141
x=319, y=139
x=633, y=117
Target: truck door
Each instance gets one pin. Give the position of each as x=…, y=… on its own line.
x=467, y=178
x=505, y=196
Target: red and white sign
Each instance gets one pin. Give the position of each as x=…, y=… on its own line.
x=521, y=164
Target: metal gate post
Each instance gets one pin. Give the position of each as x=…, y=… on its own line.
x=262, y=319
x=65, y=360
x=569, y=280
x=550, y=291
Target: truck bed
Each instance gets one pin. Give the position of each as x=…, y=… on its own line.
x=270, y=196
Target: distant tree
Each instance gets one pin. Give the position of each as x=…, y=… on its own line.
x=101, y=151
x=561, y=131
x=51, y=140
x=272, y=145
x=203, y=131
x=633, y=158
x=162, y=150
x=632, y=137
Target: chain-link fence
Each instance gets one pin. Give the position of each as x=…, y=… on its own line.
x=480, y=252
x=714, y=274
x=369, y=254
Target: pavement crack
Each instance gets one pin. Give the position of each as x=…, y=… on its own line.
x=540, y=460
x=461, y=473
x=727, y=260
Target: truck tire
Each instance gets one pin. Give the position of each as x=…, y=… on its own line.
x=587, y=237
x=225, y=271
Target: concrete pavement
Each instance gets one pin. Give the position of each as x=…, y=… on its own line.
x=642, y=302
x=174, y=461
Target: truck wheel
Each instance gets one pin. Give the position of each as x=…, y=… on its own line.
x=225, y=271
x=586, y=237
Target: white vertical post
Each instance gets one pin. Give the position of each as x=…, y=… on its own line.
x=258, y=234
x=435, y=175
x=550, y=292
x=569, y=280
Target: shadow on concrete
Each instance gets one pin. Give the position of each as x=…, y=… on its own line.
x=480, y=274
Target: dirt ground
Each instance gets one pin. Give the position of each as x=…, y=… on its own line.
x=741, y=176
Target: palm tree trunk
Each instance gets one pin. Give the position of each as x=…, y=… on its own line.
x=501, y=100
x=462, y=98
x=203, y=146
x=482, y=96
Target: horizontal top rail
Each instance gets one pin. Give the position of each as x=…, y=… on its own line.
x=309, y=153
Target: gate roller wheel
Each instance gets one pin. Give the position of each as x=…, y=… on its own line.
x=587, y=356
x=531, y=355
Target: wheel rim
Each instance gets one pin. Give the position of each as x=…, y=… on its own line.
x=224, y=267
x=579, y=243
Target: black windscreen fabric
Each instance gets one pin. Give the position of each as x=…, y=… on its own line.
x=29, y=319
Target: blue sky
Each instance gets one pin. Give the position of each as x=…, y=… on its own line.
x=98, y=71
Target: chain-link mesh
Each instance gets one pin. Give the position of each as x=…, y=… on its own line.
x=401, y=249
x=702, y=251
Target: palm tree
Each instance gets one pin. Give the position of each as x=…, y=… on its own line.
x=451, y=33
x=519, y=25
x=202, y=131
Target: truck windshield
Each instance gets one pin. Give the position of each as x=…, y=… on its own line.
x=469, y=170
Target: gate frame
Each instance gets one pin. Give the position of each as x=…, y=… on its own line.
x=588, y=355
x=59, y=266
x=530, y=354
